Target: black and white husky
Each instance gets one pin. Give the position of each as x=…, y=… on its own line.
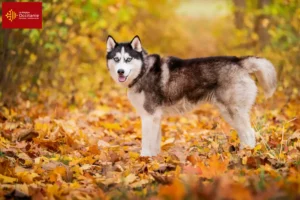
x=159, y=86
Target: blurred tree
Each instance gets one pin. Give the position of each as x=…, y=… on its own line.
x=240, y=6
x=4, y=55
x=271, y=29
x=68, y=54
x=262, y=24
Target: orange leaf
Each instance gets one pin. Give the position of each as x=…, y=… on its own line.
x=215, y=168
x=175, y=191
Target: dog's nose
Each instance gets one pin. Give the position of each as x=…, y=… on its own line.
x=120, y=71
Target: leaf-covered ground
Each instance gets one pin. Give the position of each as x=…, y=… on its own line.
x=62, y=151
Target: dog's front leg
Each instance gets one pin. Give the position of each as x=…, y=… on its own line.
x=151, y=135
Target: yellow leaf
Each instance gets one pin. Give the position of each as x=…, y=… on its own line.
x=27, y=177
x=257, y=148
x=7, y=179
x=42, y=127
x=130, y=178
x=53, y=190
x=281, y=156
x=234, y=137
x=32, y=57
x=111, y=126
x=177, y=171
x=244, y=160
x=134, y=155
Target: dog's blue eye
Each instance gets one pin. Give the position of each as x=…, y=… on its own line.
x=116, y=59
x=128, y=59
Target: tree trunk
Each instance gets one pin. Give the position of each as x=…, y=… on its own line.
x=262, y=24
x=4, y=57
x=240, y=6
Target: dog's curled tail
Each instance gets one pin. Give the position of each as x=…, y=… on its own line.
x=264, y=71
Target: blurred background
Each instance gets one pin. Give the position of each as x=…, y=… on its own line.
x=65, y=61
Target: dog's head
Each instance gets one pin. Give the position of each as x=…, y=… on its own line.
x=124, y=60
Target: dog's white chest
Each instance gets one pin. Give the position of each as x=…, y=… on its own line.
x=137, y=100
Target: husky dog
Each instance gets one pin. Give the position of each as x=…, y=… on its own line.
x=159, y=86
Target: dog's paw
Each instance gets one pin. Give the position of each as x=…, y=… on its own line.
x=243, y=146
x=148, y=153
x=248, y=144
x=248, y=140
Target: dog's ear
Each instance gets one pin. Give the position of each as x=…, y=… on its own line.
x=110, y=43
x=136, y=44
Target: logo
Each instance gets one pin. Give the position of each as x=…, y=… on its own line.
x=11, y=15
x=22, y=15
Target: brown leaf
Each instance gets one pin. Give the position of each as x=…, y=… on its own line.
x=27, y=135
x=193, y=158
x=2, y=118
x=164, y=179
x=16, y=194
x=165, y=167
x=59, y=168
x=25, y=160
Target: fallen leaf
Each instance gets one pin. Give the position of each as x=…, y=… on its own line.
x=174, y=191
x=130, y=178
x=7, y=179
x=102, y=143
x=27, y=135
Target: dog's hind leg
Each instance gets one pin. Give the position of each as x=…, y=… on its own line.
x=234, y=105
x=239, y=119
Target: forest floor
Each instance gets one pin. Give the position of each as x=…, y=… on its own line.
x=61, y=151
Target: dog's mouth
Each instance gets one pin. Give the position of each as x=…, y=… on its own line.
x=122, y=78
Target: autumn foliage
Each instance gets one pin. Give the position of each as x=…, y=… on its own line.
x=68, y=132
